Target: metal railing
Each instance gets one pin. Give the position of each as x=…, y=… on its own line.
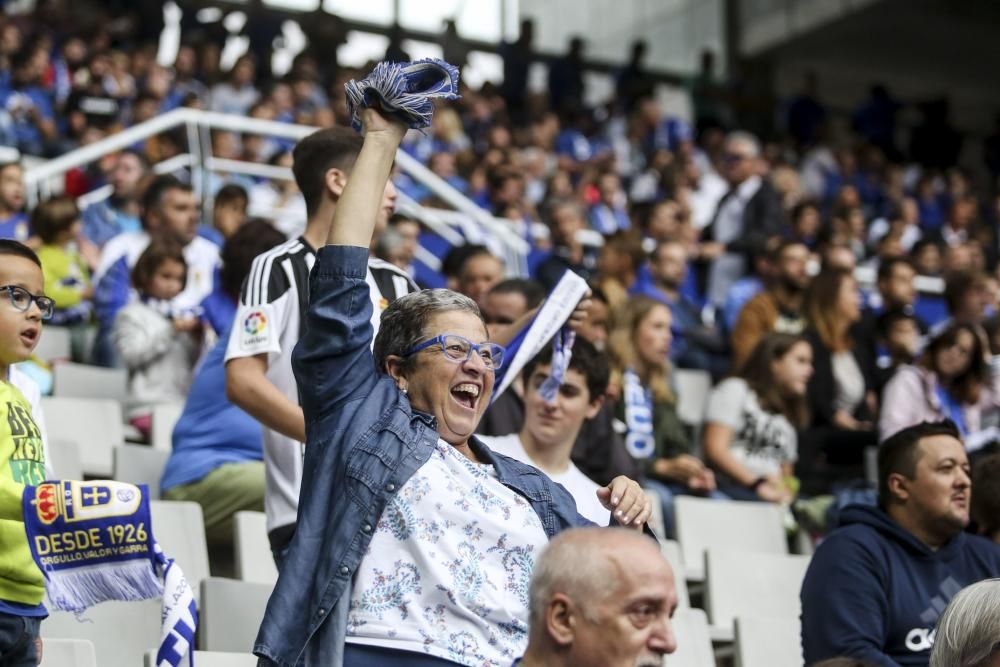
x=467, y=223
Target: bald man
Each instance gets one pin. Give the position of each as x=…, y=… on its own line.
x=600, y=597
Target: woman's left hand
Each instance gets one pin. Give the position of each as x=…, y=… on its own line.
x=626, y=501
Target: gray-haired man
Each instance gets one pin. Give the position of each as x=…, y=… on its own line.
x=600, y=597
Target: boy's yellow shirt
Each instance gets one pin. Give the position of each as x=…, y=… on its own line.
x=22, y=463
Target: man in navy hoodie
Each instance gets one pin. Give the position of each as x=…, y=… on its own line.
x=876, y=586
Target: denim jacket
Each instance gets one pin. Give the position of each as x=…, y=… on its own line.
x=363, y=442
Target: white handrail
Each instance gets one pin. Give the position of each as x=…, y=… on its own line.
x=467, y=222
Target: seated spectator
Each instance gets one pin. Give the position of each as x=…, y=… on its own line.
x=13, y=220
x=927, y=259
x=119, y=213
x=646, y=406
x=898, y=343
x=507, y=302
x=34, y=130
x=598, y=323
x=805, y=223
x=841, y=399
x=609, y=215
x=966, y=293
x=158, y=348
x=566, y=222
x=280, y=200
x=967, y=632
x=67, y=279
x=957, y=229
x=229, y=212
x=747, y=216
x=591, y=605
x=408, y=231
x=694, y=345
x=479, y=271
x=954, y=379
x=778, y=308
x=986, y=499
x=169, y=211
x=237, y=93
x=751, y=420
x=549, y=430
x=874, y=587
x=217, y=457
x=619, y=264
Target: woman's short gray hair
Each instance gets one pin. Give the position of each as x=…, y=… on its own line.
x=968, y=632
x=404, y=323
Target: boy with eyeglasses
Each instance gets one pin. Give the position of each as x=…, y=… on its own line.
x=22, y=455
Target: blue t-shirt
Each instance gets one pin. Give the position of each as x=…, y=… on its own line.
x=211, y=431
x=15, y=227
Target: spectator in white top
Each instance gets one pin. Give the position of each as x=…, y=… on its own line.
x=237, y=94
x=550, y=429
x=751, y=419
x=600, y=598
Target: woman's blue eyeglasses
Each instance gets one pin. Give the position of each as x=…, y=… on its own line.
x=460, y=349
x=21, y=299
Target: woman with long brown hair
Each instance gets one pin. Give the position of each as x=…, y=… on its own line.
x=841, y=400
x=646, y=406
x=952, y=380
x=751, y=421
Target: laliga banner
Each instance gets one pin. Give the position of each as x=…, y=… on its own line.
x=93, y=542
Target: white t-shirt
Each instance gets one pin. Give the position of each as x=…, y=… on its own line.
x=583, y=490
x=448, y=567
x=762, y=441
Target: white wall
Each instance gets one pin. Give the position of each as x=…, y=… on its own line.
x=676, y=30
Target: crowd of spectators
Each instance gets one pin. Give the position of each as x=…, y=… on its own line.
x=706, y=246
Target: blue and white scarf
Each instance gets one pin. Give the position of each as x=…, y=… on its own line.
x=93, y=542
x=639, y=441
x=562, y=353
x=403, y=90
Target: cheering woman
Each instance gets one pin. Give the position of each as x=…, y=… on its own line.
x=415, y=543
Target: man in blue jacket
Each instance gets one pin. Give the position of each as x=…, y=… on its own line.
x=876, y=586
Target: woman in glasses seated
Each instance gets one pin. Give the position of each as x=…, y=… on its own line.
x=415, y=543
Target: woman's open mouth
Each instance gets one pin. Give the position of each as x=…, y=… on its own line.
x=466, y=394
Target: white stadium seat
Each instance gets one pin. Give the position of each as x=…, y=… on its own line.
x=94, y=424
x=253, y=558
x=742, y=526
x=68, y=653
x=180, y=530
x=694, y=645
x=230, y=614
x=768, y=642
x=212, y=659
x=751, y=584
x=85, y=381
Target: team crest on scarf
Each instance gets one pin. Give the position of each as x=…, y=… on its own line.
x=93, y=542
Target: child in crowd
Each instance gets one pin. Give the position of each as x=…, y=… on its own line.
x=22, y=455
x=751, y=420
x=158, y=346
x=67, y=279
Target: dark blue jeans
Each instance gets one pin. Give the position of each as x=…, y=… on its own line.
x=18, y=635
x=356, y=655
